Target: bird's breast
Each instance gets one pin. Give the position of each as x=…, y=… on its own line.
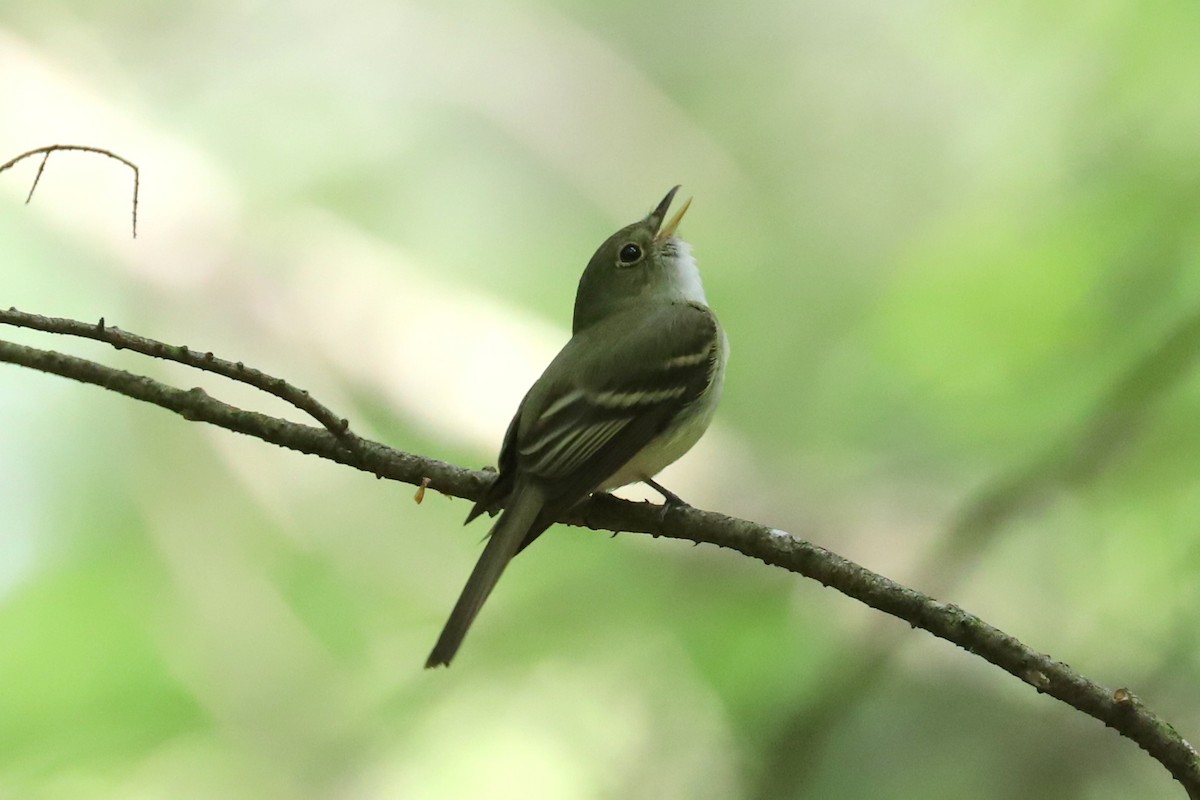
x=681, y=434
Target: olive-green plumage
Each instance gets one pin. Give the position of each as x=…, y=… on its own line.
x=632, y=391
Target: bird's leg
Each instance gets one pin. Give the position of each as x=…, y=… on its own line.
x=669, y=497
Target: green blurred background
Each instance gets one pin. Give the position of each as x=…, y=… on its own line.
x=956, y=249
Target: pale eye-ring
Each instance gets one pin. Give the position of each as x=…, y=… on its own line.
x=629, y=254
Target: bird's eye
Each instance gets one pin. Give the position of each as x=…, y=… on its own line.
x=630, y=253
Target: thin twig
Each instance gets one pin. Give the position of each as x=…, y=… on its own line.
x=1120, y=709
x=37, y=178
x=182, y=354
x=54, y=148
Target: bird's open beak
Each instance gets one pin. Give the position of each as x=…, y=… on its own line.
x=657, y=215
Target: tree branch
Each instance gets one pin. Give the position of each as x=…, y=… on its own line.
x=1119, y=710
x=181, y=354
x=1071, y=461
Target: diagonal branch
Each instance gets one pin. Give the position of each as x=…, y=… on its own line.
x=1119, y=710
x=1071, y=461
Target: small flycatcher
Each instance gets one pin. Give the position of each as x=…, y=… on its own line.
x=631, y=392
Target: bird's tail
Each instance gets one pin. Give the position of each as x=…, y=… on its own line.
x=503, y=542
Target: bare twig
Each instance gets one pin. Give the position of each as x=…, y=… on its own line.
x=182, y=354
x=1120, y=710
x=38, y=177
x=197, y=405
x=54, y=148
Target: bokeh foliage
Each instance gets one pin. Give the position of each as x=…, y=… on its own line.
x=946, y=239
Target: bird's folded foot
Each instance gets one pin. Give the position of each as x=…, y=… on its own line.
x=670, y=499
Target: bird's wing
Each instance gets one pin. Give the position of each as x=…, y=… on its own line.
x=613, y=388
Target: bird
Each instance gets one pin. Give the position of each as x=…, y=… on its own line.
x=632, y=390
